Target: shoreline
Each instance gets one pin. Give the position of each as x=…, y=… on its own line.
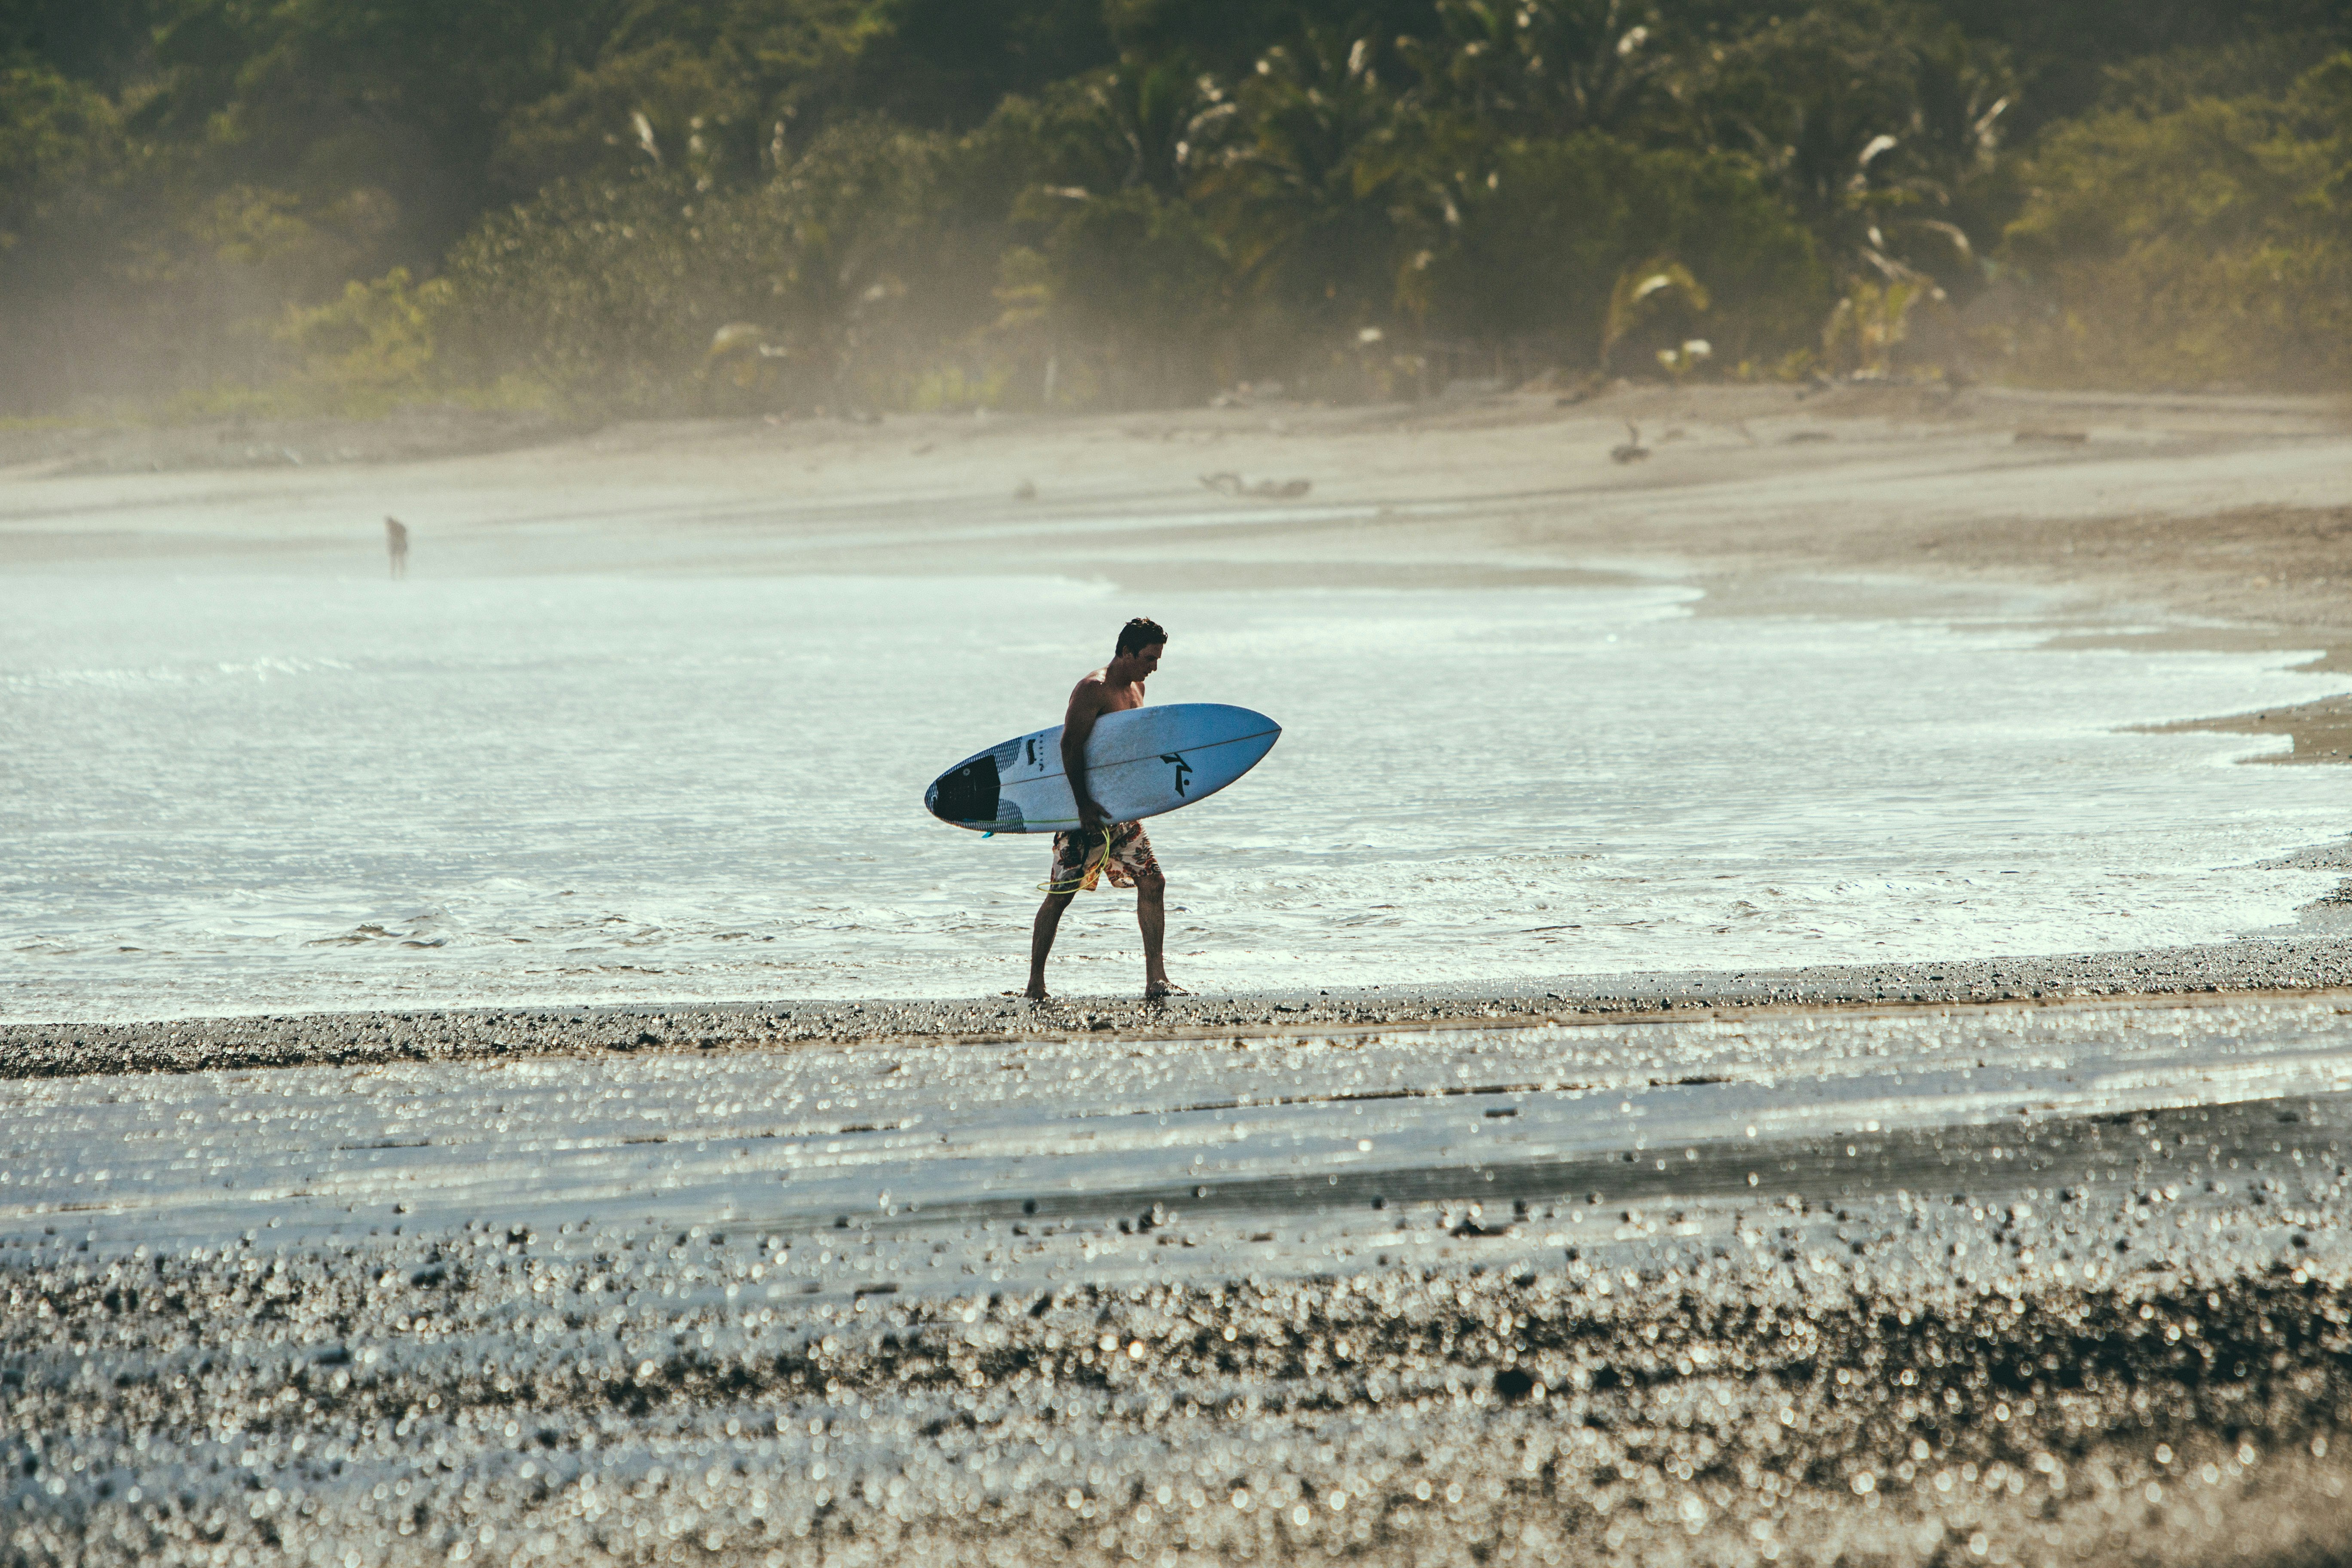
x=2305, y=967
x=2139, y=521
x=2172, y=522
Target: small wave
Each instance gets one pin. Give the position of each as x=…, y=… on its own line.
x=259, y=670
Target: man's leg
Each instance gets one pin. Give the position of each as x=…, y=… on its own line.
x=1041, y=938
x=1151, y=914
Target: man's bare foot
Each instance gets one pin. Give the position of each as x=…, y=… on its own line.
x=1036, y=992
x=1161, y=990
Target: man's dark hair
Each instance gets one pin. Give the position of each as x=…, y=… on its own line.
x=1139, y=634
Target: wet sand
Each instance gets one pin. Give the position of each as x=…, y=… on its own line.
x=2321, y=732
x=2317, y=964
x=2227, y=511
x=2016, y=1286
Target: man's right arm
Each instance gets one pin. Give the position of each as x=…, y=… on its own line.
x=1076, y=725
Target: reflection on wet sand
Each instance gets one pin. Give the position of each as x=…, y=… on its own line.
x=1995, y=1285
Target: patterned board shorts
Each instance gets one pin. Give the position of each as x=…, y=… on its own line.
x=1079, y=859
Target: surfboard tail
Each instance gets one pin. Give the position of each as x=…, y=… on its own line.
x=972, y=795
x=966, y=794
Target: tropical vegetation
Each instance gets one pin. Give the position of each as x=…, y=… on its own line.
x=735, y=206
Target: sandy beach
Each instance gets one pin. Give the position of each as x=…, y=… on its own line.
x=2009, y=1257
x=2015, y=1284
x=2223, y=518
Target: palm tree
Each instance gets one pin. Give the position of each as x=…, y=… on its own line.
x=1541, y=67
x=1313, y=180
x=1873, y=126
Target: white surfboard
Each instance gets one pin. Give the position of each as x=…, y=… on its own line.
x=1140, y=763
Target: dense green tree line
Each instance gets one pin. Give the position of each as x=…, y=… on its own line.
x=711, y=205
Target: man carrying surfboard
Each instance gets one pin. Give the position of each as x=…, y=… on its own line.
x=1119, y=848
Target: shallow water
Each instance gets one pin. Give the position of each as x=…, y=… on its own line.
x=267, y=794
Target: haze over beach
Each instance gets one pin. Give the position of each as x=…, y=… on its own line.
x=1785, y=994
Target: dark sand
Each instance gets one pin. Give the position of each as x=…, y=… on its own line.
x=2309, y=965
x=2321, y=731
x=2116, y=1339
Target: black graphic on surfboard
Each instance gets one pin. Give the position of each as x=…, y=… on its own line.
x=1183, y=770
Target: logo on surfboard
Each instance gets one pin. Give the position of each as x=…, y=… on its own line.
x=1183, y=769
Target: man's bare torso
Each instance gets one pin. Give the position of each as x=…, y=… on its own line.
x=1097, y=694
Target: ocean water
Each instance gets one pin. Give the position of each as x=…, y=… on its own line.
x=264, y=793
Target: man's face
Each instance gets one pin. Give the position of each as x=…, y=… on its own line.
x=1147, y=659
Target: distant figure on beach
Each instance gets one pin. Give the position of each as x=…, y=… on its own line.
x=1117, y=847
x=396, y=541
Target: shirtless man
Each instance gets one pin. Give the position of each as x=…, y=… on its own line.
x=1117, y=847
